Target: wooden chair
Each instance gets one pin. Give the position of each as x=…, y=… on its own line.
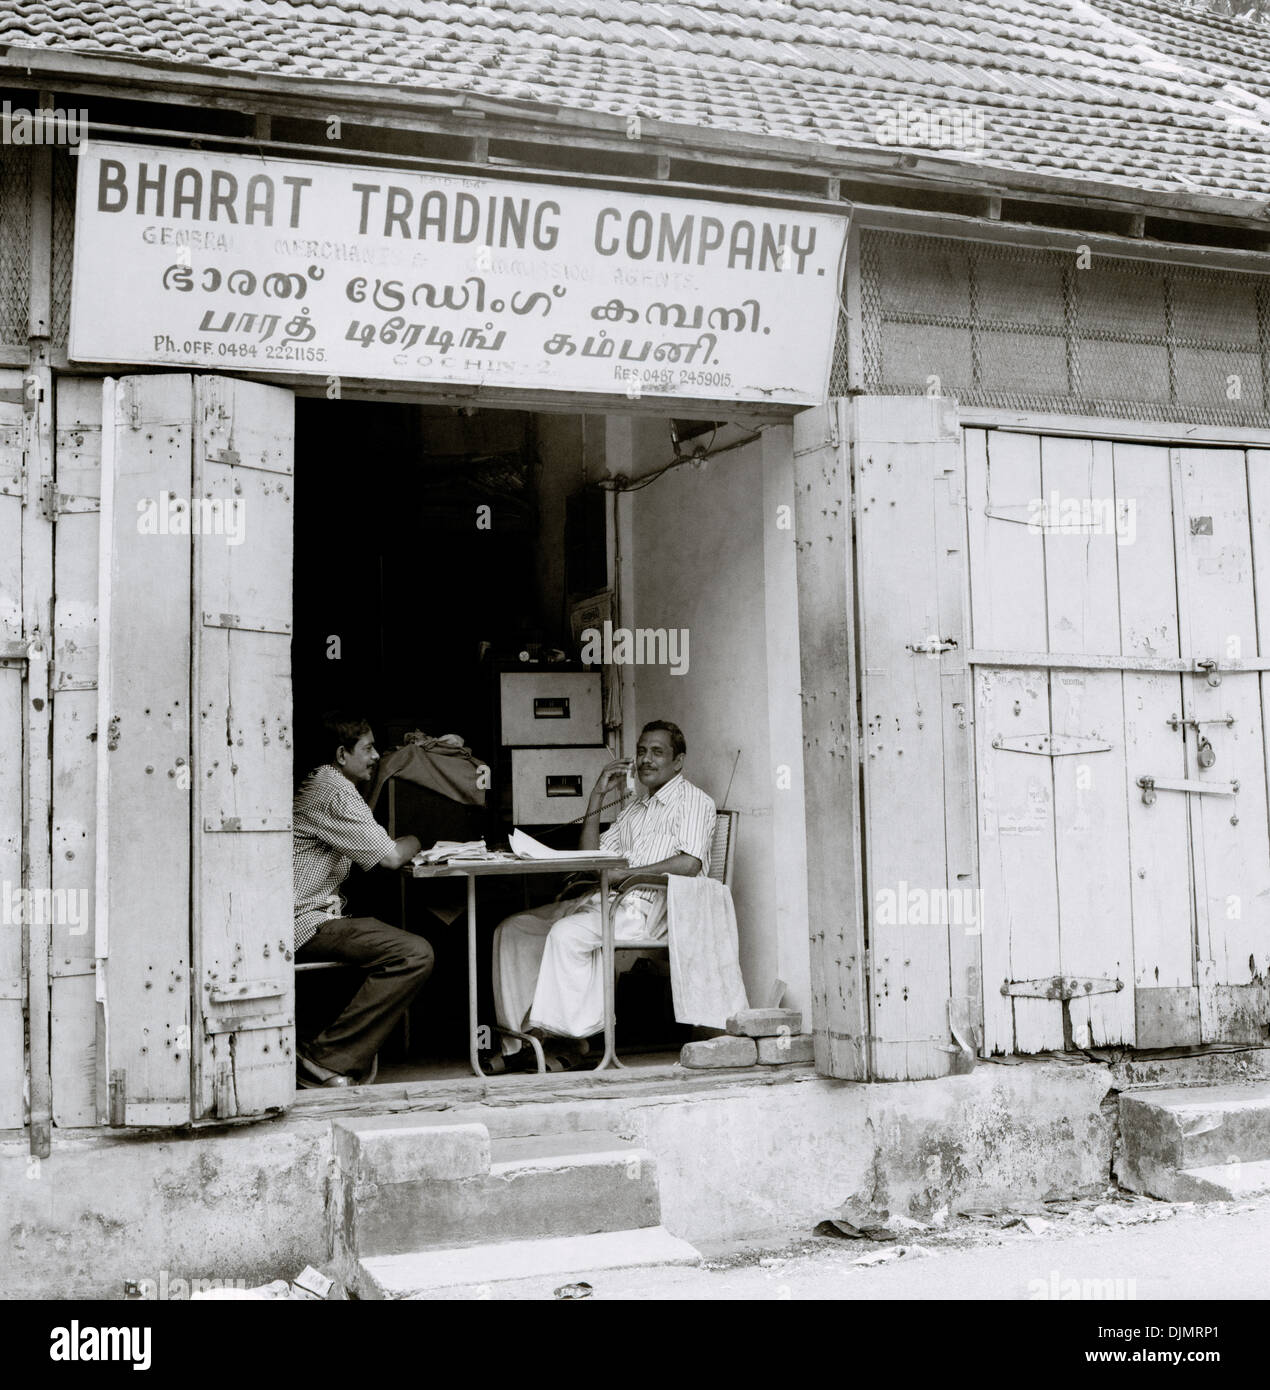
x=305, y=966
x=722, y=847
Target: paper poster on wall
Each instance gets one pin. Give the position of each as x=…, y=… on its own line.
x=261, y=265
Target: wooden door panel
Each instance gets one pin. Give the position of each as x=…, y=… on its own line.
x=903, y=751
x=1092, y=851
x=78, y=1088
x=143, y=749
x=1091, y=833
x=1216, y=577
x=1016, y=860
x=1016, y=799
x=1166, y=998
x=243, y=902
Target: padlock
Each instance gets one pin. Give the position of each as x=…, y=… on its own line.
x=1205, y=755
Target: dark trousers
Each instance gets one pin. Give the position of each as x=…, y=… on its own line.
x=397, y=963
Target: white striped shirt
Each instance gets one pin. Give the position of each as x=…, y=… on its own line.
x=677, y=819
x=332, y=829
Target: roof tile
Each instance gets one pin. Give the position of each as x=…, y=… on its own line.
x=1090, y=91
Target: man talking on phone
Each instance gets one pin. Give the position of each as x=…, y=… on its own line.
x=548, y=965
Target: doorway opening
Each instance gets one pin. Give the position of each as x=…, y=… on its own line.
x=437, y=552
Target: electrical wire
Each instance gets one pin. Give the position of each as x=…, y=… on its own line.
x=622, y=484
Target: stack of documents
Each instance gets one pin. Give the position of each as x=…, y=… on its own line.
x=445, y=850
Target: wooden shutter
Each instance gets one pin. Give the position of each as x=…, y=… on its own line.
x=77, y=1098
x=924, y=936
x=194, y=896
x=143, y=752
x=243, y=895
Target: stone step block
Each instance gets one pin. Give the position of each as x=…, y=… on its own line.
x=578, y=1183
x=766, y=1023
x=1226, y=1182
x=481, y=1271
x=786, y=1050
x=720, y=1052
x=1197, y=1126
x=425, y=1149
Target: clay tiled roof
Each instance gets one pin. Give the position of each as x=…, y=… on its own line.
x=1146, y=94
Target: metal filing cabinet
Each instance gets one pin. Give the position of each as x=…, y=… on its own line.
x=550, y=709
x=552, y=785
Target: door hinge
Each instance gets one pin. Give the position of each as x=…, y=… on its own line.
x=247, y=623
x=1050, y=745
x=244, y=825
x=28, y=395
x=1064, y=988
x=54, y=504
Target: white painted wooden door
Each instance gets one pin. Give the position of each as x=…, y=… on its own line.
x=243, y=896
x=143, y=753
x=1121, y=786
x=79, y=1093
x=922, y=902
x=194, y=904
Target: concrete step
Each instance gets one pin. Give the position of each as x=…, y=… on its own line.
x=407, y=1188
x=1165, y=1133
x=1225, y=1182
x=478, y=1271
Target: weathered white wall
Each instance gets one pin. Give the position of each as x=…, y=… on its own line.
x=704, y=549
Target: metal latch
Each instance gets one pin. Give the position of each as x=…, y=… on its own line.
x=1064, y=988
x=1175, y=722
x=1151, y=785
x=932, y=646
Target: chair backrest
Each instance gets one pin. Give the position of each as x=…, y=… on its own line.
x=721, y=847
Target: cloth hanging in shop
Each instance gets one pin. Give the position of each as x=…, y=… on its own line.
x=705, y=969
x=442, y=765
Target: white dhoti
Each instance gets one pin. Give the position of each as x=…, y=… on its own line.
x=548, y=966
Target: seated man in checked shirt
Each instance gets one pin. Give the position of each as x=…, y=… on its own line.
x=333, y=829
x=548, y=965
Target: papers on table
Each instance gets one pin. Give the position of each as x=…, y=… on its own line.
x=445, y=850
x=526, y=847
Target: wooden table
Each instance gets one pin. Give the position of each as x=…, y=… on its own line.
x=496, y=868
